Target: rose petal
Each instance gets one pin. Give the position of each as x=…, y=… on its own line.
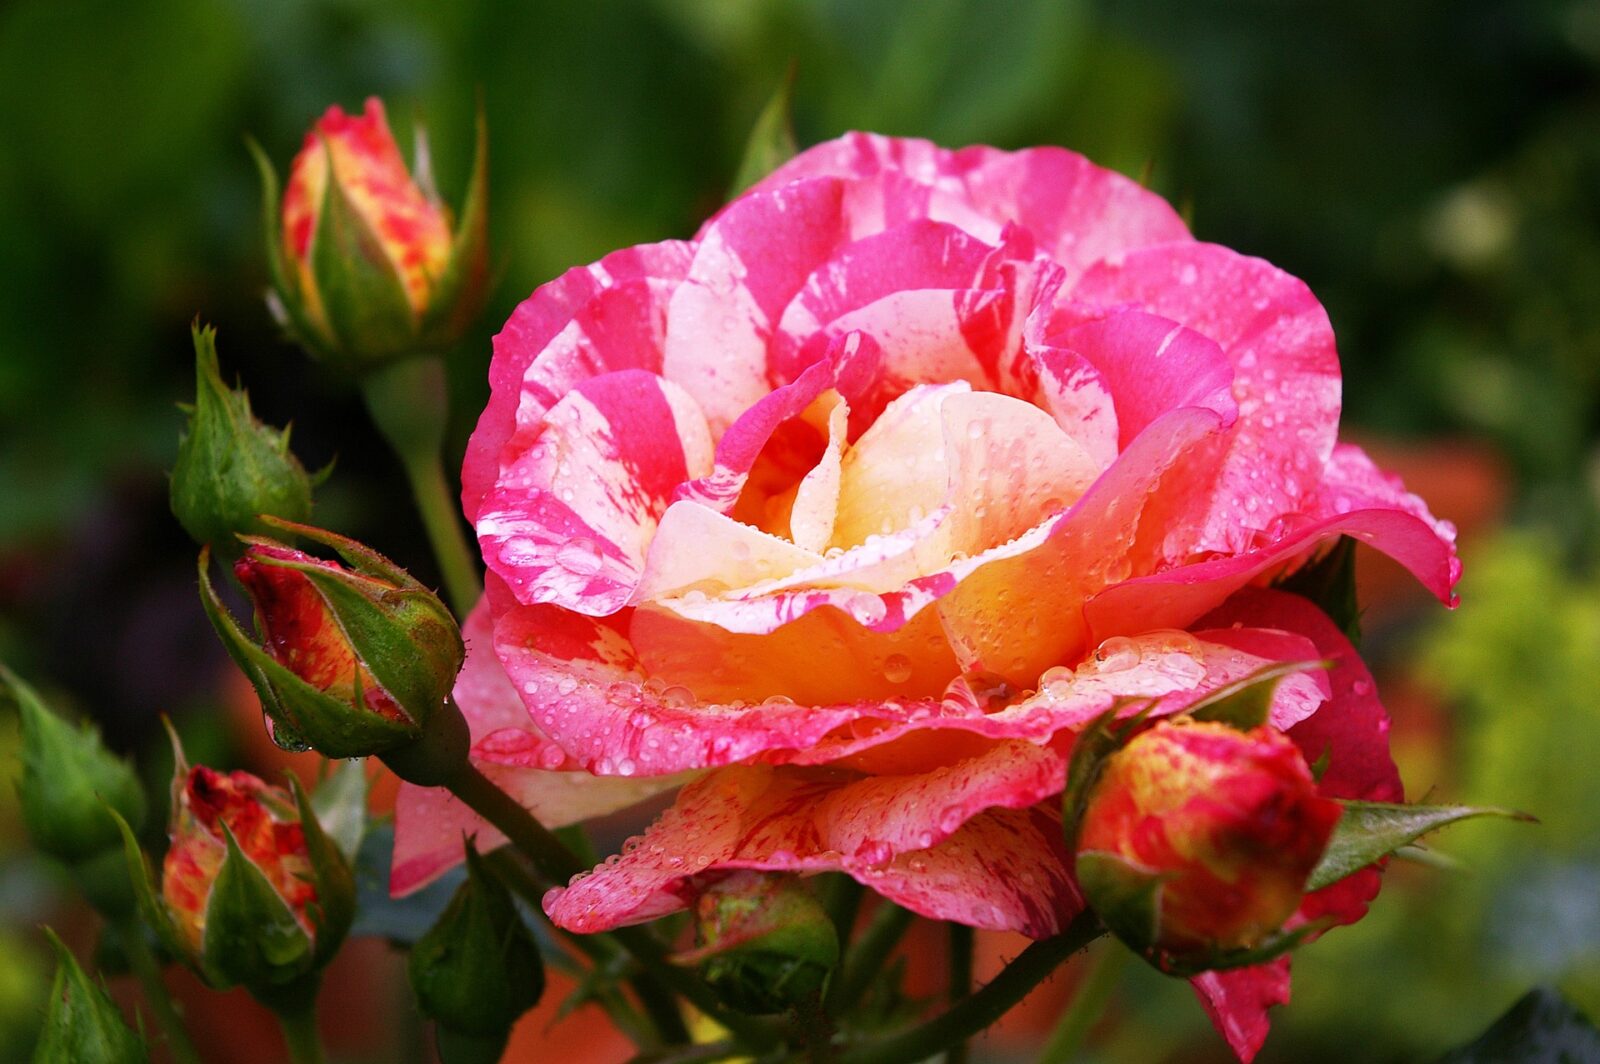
x=946, y=844
x=570, y=519
x=1237, y=1002
x=524, y=347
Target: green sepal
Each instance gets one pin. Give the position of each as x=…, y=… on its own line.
x=771, y=142
x=1371, y=831
x=1126, y=896
x=231, y=467
x=1275, y=946
x=1102, y=737
x=478, y=969
x=1245, y=703
x=766, y=943
x=405, y=635
x=369, y=317
x=68, y=781
x=82, y=1024
x=288, y=306
x=334, y=728
x=340, y=802
x=146, y=896
x=1330, y=582
x=462, y=287
x=251, y=936
x=335, y=908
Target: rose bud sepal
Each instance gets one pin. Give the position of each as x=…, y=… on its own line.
x=68, y=781
x=477, y=970
x=763, y=942
x=82, y=1024
x=386, y=647
x=231, y=467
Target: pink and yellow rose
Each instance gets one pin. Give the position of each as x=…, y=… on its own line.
x=848, y=513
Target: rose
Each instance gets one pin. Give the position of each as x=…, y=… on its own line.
x=858, y=505
x=366, y=266
x=1198, y=838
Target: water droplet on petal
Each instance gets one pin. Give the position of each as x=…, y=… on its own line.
x=897, y=668
x=1117, y=654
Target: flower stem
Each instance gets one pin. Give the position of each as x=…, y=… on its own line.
x=960, y=981
x=975, y=1013
x=148, y=970
x=866, y=958
x=298, y=1019
x=409, y=403
x=1072, y=1030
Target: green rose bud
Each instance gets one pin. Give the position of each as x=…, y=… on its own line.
x=352, y=661
x=763, y=942
x=82, y=1025
x=231, y=468
x=477, y=970
x=68, y=780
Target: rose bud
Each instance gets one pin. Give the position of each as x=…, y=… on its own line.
x=1197, y=838
x=231, y=468
x=68, y=781
x=252, y=891
x=763, y=942
x=365, y=265
x=82, y=1024
x=477, y=969
x=352, y=661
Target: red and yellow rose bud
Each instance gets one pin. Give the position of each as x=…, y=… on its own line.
x=763, y=942
x=1197, y=839
x=252, y=891
x=351, y=661
x=366, y=264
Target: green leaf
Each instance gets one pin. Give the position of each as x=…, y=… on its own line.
x=1541, y=1028
x=68, y=780
x=1245, y=703
x=251, y=935
x=1330, y=582
x=1370, y=831
x=362, y=295
x=771, y=142
x=340, y=801
x=82, y=1025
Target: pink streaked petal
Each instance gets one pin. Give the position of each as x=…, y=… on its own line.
x=1286, y=376
x=569, y=521
x=529, y=331
x=1177, y=597
x=1237, y=1002
x=948, y=844
x=508, y=747
x=748, y=264
x=697, y=549
x=1352, y=481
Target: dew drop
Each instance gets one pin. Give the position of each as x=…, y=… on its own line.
x=580, y=556
x=1117, y=654
x=897, y=668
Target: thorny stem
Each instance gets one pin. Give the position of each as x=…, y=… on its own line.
x=1087, y=1005
x=866, y=958
x=977, y=1012
x=148, y=970
x=960, y=981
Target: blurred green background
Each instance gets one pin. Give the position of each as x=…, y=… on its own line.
x=1432, y=169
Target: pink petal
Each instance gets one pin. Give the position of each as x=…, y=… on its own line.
x=1286, y=375
x=536, y=322
x=958, y=843
x=1237, y=1002
x=569, y=520
x=430, y=823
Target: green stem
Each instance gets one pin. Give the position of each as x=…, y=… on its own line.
x=842, y=900
x=867, y=957
x=409, y=403
x=300, y=1032
x=960, y=981
x=977, y=1012
x=1087, y=1005
x=148, y=970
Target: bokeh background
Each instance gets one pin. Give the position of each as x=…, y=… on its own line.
x=1431, y=168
